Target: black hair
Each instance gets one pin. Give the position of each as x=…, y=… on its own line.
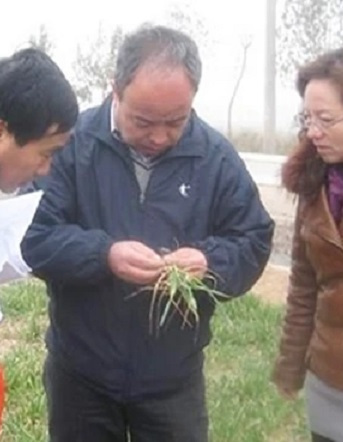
x=34, y=95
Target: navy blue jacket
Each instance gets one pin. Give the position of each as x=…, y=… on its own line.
x=200, y=195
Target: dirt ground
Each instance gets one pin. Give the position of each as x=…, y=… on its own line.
x=272, y=286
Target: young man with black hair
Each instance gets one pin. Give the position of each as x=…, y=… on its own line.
x=38, y=109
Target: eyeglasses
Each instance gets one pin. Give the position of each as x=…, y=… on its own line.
x=323, y=124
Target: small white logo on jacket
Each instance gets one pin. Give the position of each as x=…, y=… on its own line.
x=184, y=190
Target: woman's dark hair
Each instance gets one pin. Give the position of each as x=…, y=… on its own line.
x=304, y=171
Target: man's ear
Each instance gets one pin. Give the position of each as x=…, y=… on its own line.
x=115, y=94
x=5, y=135
x=3, y=128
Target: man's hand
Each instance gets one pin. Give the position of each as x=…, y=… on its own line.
x=287, y=393
x=134, y=262
x=189, y=259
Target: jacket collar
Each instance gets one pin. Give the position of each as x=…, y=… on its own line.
x=319, y=219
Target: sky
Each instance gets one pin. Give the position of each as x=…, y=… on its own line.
x=72, y=22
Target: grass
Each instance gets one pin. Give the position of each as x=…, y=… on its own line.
x=178, y=288
x=243, y=404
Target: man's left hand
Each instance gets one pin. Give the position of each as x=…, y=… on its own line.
x=189, y=259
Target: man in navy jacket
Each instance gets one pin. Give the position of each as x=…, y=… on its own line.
x=142, y=174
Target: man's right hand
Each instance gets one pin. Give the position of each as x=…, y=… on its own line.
x=134, y=262
x=287, y=393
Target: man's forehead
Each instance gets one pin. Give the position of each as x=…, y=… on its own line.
x=146, y=113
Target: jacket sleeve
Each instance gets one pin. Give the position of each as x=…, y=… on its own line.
x=290, y=367
x=241, y=231
x=54, y=246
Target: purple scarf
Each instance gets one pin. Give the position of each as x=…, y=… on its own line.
x=335, y=191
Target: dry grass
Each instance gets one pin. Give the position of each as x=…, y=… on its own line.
x=252, y=141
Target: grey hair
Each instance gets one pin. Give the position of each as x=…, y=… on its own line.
x=159, y=46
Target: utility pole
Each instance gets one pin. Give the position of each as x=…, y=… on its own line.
x=246, y=43
x=269, y=79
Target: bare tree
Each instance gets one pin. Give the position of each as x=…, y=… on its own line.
x=42, y=41
x=190, y=21
x=307, y=28
x=245, y=45
x=269, y=132
x=95, y=63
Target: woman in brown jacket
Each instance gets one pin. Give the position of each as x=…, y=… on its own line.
x=311, y=348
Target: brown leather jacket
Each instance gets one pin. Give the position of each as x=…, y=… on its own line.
x=312, y=336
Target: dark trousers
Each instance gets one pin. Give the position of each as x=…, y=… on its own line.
x=78, y=413
x=318, y=438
